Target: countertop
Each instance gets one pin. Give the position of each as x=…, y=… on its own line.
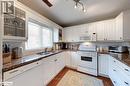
x=15, y=63
x=122, y=57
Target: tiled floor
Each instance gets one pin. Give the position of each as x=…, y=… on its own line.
x=54, y=82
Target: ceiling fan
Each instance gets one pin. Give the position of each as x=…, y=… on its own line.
x=48, y=3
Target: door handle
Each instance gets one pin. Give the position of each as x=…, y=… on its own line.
x=126, y=83
x=114, y=70
x=55, y=60
x=127, y=70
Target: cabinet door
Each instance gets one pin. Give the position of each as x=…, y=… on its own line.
x=48, y=69
x=74, y=59
x=100, y=31
x=15, y=25
x=109, y=30
x=106, y=30
x=59, y=62
x=103, y=64
x=68, y=37
x=56, y=35
x=75, y=33
x=119, y=27
x=92, y=28
x=68, y=59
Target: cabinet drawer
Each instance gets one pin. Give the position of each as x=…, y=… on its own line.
x=120, y=71
x=124, y=68
x=125, y=79
x=115, y=79
x=30, y=66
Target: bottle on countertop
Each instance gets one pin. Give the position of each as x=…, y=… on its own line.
x=6, y=48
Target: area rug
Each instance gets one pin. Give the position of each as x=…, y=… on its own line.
x=73, y=78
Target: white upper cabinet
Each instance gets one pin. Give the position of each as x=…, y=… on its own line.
x=116, y=29
x=15, y=25
x=79, y=33
x=123, y=26
x=97, y=31
x=106, y=30
x=71, y=34
x=68, y=35
x=92, y=31
x=100, y=31
x=119, y=27
x=56, y=36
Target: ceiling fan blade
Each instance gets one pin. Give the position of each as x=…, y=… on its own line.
x=47, y=3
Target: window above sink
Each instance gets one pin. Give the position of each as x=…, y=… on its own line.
x=39, y=36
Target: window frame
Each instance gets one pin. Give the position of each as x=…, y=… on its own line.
x=41, y=26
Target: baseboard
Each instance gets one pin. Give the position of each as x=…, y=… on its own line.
x=103, y=75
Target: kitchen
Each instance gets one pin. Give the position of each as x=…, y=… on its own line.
x=43, y=44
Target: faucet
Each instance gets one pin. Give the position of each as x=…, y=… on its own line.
x=46, y=50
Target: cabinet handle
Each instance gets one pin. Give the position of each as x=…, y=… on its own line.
x=114, y=70
x=127, y=70
x=13, y=71
x=114, y=82
x=55, y=60
x=126, y=83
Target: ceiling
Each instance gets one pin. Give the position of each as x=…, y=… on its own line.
x=63, y=12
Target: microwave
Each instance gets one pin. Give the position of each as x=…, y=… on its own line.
x=118, y=49
x=88, y=37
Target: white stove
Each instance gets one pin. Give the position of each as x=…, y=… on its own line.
x=88, y=59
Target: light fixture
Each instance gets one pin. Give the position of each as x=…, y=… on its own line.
x=79, y=4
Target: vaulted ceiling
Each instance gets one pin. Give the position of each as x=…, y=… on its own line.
x=63, y=13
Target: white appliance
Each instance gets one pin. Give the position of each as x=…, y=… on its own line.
x=88, y=37
x=88, y=59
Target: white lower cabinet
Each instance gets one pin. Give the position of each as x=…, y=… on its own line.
x=59, y=62
x=68, y=58
x=48, y=69
x=114, y=69
x=39, y=75
x=72, y=59
x=75, y=58
x=42, y=72
x=116, y=74
x=103, y=64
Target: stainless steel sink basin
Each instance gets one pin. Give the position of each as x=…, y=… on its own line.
x=44, y=53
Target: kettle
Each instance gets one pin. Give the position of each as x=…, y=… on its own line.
x=17, y=52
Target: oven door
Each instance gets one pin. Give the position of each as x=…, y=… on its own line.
x=88, y=60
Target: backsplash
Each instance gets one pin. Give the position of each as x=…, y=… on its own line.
x=71, y=46
x=14, y=44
